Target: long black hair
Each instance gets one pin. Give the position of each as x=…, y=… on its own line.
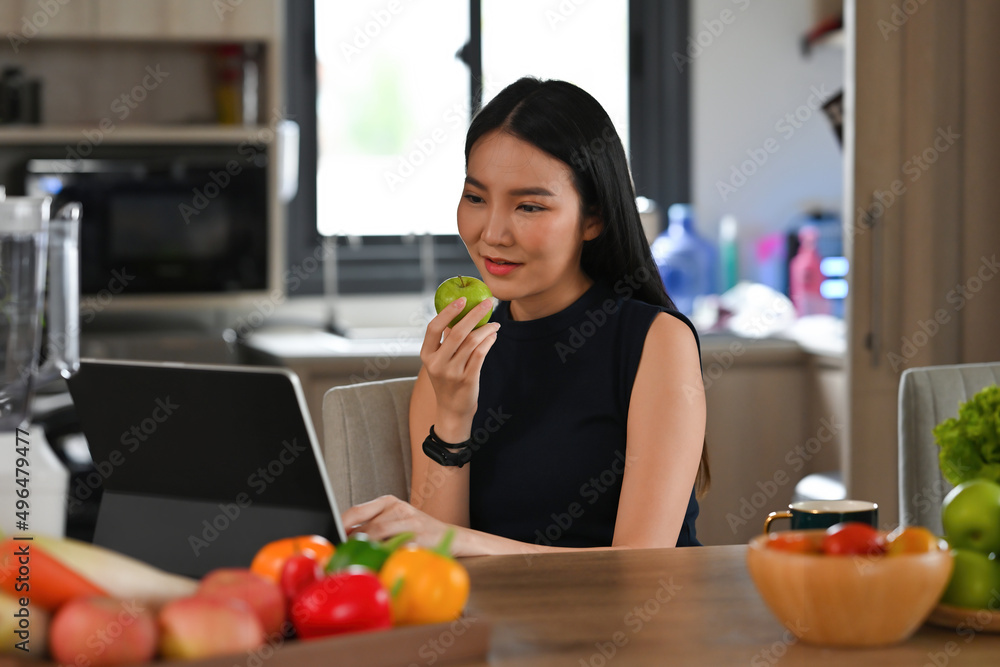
x=566, y=122
x=569, y=124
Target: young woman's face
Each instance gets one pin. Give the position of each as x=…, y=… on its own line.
x=520, y=217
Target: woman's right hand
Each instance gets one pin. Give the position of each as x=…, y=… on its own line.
x=453, y=358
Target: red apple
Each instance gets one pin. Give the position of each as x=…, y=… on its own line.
x=102, y=631
x=262, y=595
x=201, y=626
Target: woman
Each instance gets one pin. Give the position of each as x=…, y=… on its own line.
x=581, y=402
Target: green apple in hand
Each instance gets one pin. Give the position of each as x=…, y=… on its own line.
x=970, y=515
x=975, y=580
x=474, y=290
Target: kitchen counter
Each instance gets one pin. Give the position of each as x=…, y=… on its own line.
x=775, y=408
x=324, y=347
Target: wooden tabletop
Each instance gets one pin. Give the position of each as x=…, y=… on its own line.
x=614, y=608
x=663, y=606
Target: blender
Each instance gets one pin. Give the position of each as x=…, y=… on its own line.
x=32, y=247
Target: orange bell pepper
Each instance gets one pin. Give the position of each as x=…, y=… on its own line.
x=427, y=585
x=271, y=558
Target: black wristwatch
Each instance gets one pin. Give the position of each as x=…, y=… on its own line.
x=440, y=451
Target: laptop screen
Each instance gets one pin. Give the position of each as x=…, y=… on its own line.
x=202, y=465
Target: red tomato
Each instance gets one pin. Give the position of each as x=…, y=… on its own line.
x=853, y=538
x=298, y=572
x=794, y=542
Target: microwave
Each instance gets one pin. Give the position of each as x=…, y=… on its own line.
x=191, y=224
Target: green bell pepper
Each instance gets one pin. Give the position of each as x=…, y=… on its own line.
x=359, y=549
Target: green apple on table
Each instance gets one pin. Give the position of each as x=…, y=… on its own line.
x=970, y=515
x=474, y=290
x=975, y=580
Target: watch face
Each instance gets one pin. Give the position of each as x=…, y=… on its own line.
x=434, y=453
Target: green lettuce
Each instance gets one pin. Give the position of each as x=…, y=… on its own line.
x=970, y=444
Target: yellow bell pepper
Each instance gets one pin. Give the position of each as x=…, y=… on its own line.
x=426, y=585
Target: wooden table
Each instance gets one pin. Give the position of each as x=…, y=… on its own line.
x=663, y=606
x=615, y=608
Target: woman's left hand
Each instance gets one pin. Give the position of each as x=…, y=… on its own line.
x=388, y=516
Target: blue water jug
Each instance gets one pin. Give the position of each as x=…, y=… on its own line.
x=686, y=261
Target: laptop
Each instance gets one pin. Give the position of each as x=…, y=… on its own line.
x=202, y=465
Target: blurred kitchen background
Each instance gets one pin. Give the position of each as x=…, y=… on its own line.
x=274, y=182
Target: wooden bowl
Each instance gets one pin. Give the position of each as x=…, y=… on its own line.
x=848, y=600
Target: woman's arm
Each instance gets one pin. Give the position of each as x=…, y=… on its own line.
x=666, y=428
x=387, y=516
x=666, y=432
x=446, y=395
x=440, y=491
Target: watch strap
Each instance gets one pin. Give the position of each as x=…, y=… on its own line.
x=440, y=451
x=461, y=445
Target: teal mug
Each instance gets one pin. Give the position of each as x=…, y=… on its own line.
x=808, y=514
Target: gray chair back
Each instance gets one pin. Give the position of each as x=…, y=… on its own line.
x=928, y=396
x=366, y=440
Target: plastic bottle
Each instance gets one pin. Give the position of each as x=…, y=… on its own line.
x=805, y=277
x=686, y=261
x=729, y=253
x=250, y=85
x=228, y=91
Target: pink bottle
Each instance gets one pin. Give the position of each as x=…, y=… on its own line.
x=804, y=276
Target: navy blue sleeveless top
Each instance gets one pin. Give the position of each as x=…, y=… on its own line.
x=551, y=424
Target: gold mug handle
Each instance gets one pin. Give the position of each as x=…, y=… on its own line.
x=775, y=515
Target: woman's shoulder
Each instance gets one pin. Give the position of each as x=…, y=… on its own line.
x=640, y=316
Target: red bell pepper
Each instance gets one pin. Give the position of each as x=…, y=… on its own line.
x=353, y=600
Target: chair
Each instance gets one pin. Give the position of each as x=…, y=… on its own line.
x=366, y=440
x=928, y=396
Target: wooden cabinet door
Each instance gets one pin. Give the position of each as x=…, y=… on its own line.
x=24, y=20
x=920, y=208
x=237, y=20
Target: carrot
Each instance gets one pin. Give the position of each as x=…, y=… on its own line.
x=42, y=579
x=121, y=576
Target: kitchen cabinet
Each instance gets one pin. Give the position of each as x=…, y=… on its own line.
x=233, y=20
x=774, y=416
x=106, y=51
x=921, y=149
x=134, y=77
x=22, y=21
x=207, y=20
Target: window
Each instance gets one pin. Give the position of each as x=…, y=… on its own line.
x=583, y=43
x=385, y=110
x=393, y=107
